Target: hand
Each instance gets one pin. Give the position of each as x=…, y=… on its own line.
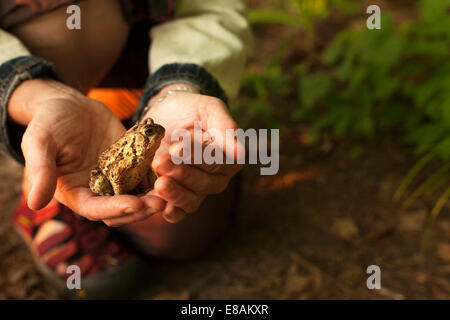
x=66, y=132
x=185, y=186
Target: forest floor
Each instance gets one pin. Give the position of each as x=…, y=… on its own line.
x=309, y=232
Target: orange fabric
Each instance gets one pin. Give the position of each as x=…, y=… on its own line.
x=122, y=102
x=26, y=220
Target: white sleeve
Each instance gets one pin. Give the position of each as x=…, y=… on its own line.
x=214, y=34
x=10, y=47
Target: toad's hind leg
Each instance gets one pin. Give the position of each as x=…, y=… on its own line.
x=99, y=184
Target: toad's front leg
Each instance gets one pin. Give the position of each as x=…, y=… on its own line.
x=146, y=184
x=151, y=177
x=99, y=183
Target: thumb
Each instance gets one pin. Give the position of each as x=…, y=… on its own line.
x=40, y=166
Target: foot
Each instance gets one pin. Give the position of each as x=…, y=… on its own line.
x=58, y=238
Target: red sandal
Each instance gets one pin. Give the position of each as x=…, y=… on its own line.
x=58, y=238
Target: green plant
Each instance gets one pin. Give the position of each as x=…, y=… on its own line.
x=398, y=77
x=260, y=88
x=263, y=86
x=355, y=90
x=368, y=82
x=298, y=13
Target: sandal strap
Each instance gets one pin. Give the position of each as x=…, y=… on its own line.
x=63, y=253
x=53, y=241
x=89, y=244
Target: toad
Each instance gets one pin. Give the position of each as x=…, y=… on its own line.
x=125, y=167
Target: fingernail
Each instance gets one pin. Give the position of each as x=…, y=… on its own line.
x=154, y=202
x=169, y=217
x=150, y=211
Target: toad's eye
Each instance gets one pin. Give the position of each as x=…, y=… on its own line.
x=148, y=131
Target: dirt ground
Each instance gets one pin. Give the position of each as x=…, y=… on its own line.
x=309, y=232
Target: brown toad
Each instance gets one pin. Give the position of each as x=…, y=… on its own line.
x=125, y=167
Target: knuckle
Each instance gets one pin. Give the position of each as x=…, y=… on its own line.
x=216, y=101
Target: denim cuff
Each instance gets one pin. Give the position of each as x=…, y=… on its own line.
x=13, y=73
x=179, y=73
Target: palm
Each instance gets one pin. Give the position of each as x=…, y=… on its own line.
x=77, y=134
x=89, y=135
x=84, y=137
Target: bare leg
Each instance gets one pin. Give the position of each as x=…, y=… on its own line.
x=192, y=236
x=189, y=238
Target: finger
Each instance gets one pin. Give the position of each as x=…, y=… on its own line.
x=135, y=217
x=222, y=128
x=205, y=150
x=40, y=166
x=152, y=201
x=177, y=195
x=93, y=207
x=173, y=214
x=230, y=151
x=153, y=204
x=192, y=178
x=188, y=147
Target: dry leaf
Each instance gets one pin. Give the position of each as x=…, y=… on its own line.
x=345, y=228
x=443, y=251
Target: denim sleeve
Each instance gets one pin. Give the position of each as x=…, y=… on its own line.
x=180, y=73
x=12, y=73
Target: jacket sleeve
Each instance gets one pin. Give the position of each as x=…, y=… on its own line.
x=10, y=47
x=16, y=66
x=213, y=34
